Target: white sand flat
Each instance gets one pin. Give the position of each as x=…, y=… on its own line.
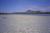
x=24, y=24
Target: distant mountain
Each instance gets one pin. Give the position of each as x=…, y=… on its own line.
x=28, y=12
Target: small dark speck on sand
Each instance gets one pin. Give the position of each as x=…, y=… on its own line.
x=0, y=20
x=4, y=17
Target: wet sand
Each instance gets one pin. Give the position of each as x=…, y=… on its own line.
x=24, y=24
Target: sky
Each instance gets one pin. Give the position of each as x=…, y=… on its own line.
x=24, y=5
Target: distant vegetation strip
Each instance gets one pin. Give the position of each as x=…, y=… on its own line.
x=28, y=13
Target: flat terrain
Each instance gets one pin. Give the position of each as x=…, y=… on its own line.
x=24, y=24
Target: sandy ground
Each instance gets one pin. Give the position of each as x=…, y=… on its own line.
x=24, y=24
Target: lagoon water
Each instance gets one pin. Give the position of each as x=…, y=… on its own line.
x=24, y=23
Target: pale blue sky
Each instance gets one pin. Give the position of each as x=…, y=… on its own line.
x=23, y=5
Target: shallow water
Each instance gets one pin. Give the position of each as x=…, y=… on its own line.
x=25, y=23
